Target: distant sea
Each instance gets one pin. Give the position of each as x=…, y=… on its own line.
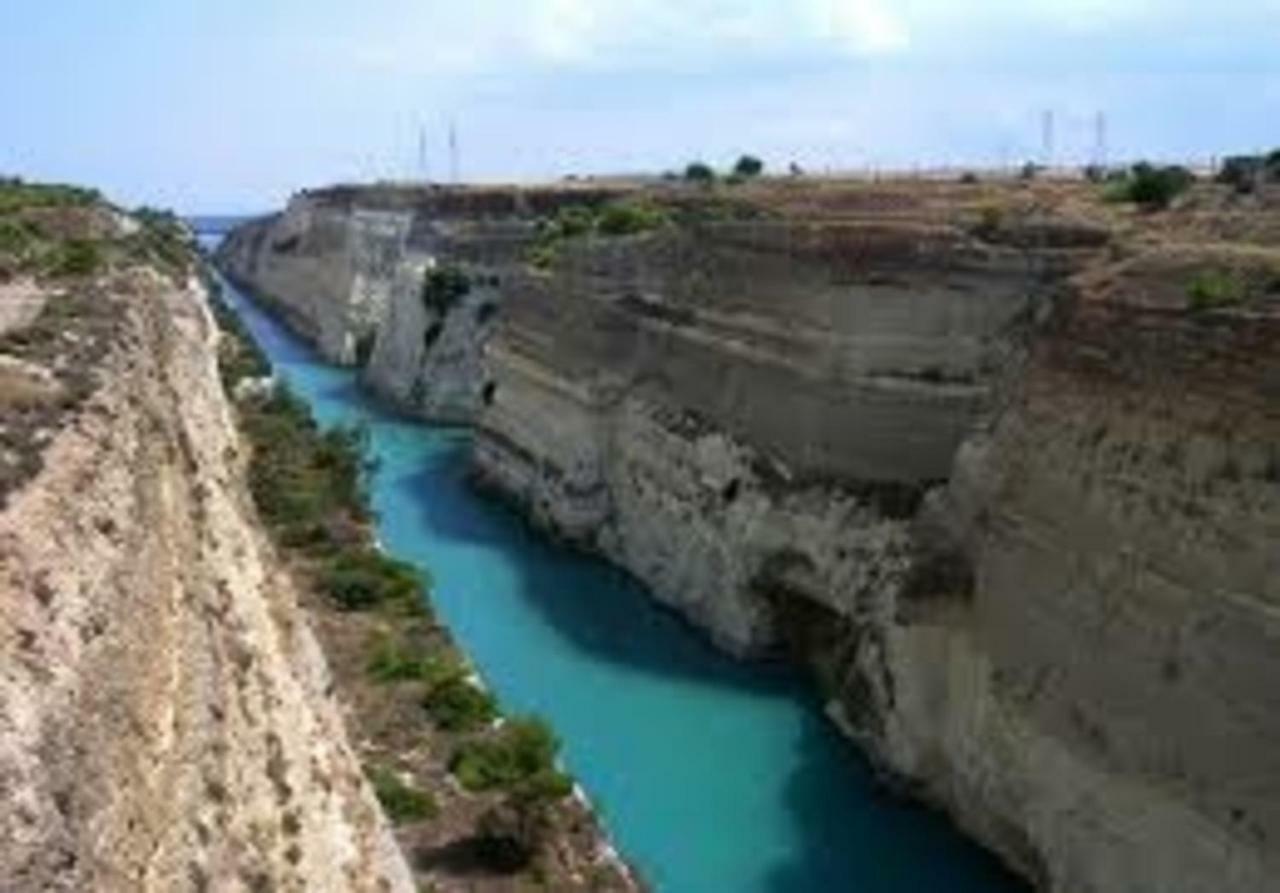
x=217, y=224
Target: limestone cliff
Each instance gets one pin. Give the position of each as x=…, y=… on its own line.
x=345, y=268
x=166, y=721
x=984, y=459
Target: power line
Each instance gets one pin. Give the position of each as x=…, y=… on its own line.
x=1100, y=139
x=423, y=171
x=1047, y=137
x=453, y=151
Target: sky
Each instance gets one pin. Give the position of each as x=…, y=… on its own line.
x=230, y=106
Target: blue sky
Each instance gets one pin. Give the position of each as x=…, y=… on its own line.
x=232, y=105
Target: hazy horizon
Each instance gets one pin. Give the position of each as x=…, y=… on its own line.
x=229, y=109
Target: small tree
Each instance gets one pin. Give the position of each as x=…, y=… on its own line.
x=748, y=166
x=700, y=172
x=1155, y=187
x=1241, y=172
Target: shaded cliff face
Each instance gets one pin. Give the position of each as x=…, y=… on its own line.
x=1110, y=678
x=327, y=271
x=999, y=465
x=165, y=717
x=345, y=268
x=715, y=405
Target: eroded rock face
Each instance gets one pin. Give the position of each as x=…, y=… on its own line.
x=165, y=716
x=328, y=271
x=1020, y=519
x=1107, y=704
x=701, y=406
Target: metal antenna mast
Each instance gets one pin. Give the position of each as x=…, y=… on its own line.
x=453, y=150
x=1100, y=139
x=1046, y=136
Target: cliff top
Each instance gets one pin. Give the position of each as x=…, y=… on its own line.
x=67, y=258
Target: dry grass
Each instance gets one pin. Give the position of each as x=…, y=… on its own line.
x=23, y=389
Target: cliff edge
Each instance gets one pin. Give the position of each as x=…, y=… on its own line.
x=166, y=720
x=995, y=460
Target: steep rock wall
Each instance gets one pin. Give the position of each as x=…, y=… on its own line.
x=344, y=267
x=1034, y=572
x=327, y=271
x=702, y=406
x=1108, y=704
x=166, y=720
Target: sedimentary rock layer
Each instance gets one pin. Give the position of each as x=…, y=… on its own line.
x=1010, y=494
x=165, y=716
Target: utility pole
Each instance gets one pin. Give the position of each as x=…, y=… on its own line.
x=1100, y=139
x=1046, y=137
x=423, y=171
x=453, y=150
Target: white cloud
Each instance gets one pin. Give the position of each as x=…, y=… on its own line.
x=492, y=34
x=499, y=35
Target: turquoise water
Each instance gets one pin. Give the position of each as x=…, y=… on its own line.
x=712, y=776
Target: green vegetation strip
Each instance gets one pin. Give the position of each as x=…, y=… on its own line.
x=56, y=232
x=309, y=485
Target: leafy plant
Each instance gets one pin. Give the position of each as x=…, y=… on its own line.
x=363, y=578
x=401, y=802
x=629, y=218
x=1211, y=289
x=519, y=759
x=74, y=257
x=443, y=287
x=1150, y=186
x=748, y=166
x=700, y=172
x=457, y=705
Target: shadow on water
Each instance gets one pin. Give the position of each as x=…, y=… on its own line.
x=852, y=832
x=592, y=606
x=716, y=776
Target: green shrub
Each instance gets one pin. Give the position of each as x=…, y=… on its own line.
x=358, y=579
x=239, y=356
x=1211, y=289
x=16, y=195
x=748, y=166
x=74, y=257
x=519, y=759
x=299, y=475
x=443, y=287
x=18, y=237
x=1150, y=186
x=1240, y=172
x=700, y=172
x=455, y=704
x=392, y=661
x=629, y=218
x=401, y=802
x=572, y=221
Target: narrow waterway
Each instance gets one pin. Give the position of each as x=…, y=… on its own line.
x=712, y=776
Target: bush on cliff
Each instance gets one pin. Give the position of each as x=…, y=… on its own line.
x=401, y=802
x=443, y=287
x=629, y=218
x=455, y=704
x=520, y=759
x=747, y=167
x=394, y=661
x=1152, y=187
x=1213, y=289
x=358, y=579
x=701, y=173
x=302, y=478
x=74, y=257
